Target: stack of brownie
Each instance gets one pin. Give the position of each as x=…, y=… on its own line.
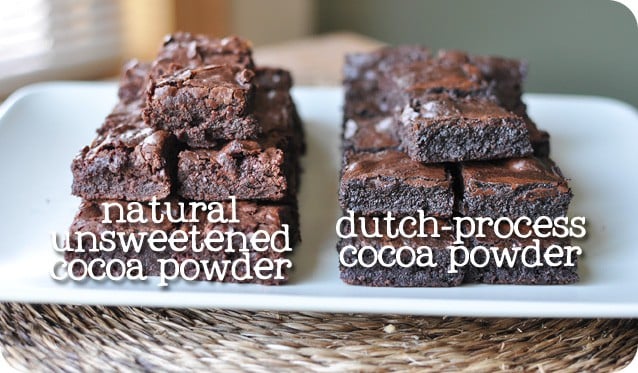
x=448, y=134
x=199, y=123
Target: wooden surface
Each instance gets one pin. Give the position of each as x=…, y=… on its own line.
x=316, y=60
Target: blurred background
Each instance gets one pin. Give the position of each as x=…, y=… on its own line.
x=573, y=46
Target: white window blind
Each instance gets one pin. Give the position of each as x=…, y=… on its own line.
x=57, y=39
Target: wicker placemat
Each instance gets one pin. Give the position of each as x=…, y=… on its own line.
x=80, y=338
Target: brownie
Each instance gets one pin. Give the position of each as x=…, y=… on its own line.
x=366, y=65
x=389, y=181
x=275, y=110
x=248, y=170
x=129, y=161
x=515, y=187
x=538, y=138
x=204, y=105
x=263, y=169
x=446, y=129
x=520, y=274
x=363, y=134
x=268, y=78
x=507, y=74
x=397, y=276
x=253, y=217
x=415, y=83
x=90, y=219
x=123, y=114
x=362, y=71
x=183, y=50
x=133, y=81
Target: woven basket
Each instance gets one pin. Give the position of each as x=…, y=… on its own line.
x=81, y=338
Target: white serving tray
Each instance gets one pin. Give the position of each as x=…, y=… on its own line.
x=593, y=140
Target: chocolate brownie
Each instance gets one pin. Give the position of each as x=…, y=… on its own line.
x=362, y=72
x=398, y=276
x=366, y=65
x=362, y=134
x=515, y=187
x=267, y=78
x=415, y=83
x=204, y=105
x=506, y=74
x=443, y=129
x=519, y=273
x=253, y=217
x=248, y=170
x=133, y=81
x=184, y=50
x=129, y=161
x=90, y=218
x=263, y=169
x=538, y=138
x=123, y=113
x=389, y=181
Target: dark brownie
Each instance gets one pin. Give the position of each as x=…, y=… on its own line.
x=362, y=72
x=443, y=129
x=389, y=181
x=253, y=217
x=248, y=170
x=129, y=161
x=515, y=187
x=262, y=169
x=361, y=134
x=366, y=65
x=90, y=219
x=184, y=50
x=267, y=78
x=204, y=105
x=520, y=274
x=123, y=113
x=414, y=83
x=507, y=74
x=275, y=83
x=538, y=138
x=133, y=81
x=397, y=276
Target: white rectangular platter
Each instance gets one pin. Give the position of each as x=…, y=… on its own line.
x=593, y=140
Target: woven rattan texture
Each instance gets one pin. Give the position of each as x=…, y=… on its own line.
x=81, y=338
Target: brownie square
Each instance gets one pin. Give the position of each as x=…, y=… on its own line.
x=128, y=161
x=123, y=113
x=248, y=170
x=440, y=128
x=252, y=217
x=362, y=134
x=90, y=219
x=415, y=83
x=269, y=78
x=367, y=65
x=506, y=74
x=538, y=138
x=389, y=181
x=204, y=105
x=362, y=72
x=515, y=187
x=520, y=274
x=397, y=276
x=263, y=169
x=183, y=50
x=133, y=81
